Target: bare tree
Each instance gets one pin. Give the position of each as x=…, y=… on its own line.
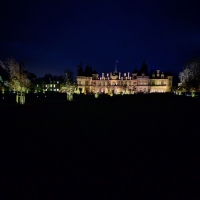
x=190, y=76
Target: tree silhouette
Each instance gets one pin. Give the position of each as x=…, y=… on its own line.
x=80, y=70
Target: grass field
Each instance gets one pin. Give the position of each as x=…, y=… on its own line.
x=120, y=145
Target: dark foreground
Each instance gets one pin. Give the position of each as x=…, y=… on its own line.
x=142, y=145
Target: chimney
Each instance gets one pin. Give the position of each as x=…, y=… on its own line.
x=158, y=73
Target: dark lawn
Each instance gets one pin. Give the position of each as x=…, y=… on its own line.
x=146, y=144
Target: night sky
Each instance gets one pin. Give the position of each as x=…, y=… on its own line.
x=53, y=35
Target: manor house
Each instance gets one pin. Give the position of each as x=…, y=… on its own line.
x=125, y=83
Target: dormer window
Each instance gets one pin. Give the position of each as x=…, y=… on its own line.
x=153, y=75
x=162, y=75
x=135, y=75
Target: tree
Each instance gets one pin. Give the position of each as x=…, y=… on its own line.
x=3, y=71
x=18, y=76
x=47, y=78
x=69, y=87
x=96, y=91
x=190, y=76
x=4, y=76
x=70, y=74
x=2, y=85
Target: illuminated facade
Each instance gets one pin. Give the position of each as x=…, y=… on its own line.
x=53, y=86
x=126, y=83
